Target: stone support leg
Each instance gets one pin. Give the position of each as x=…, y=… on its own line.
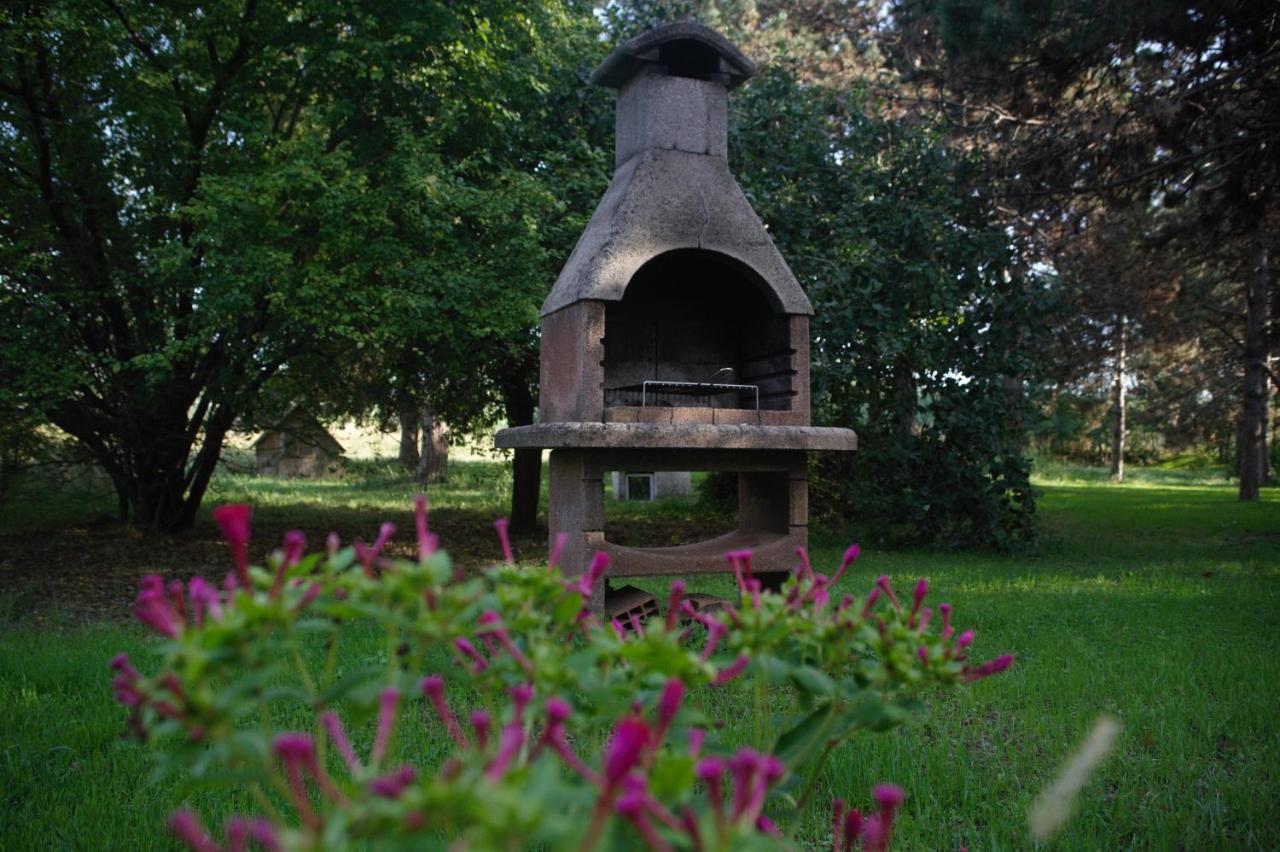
x=576, y=508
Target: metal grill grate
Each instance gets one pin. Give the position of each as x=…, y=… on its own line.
x=671, y=394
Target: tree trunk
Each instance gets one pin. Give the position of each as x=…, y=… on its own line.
x=906, y=398
x=1118, y=425
x=520, y=405
x=433, y=460
x=1253, y=409
x=409, y=418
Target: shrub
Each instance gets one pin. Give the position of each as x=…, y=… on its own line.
x=550, y=728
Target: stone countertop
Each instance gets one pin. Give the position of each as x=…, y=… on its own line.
x=675, y=436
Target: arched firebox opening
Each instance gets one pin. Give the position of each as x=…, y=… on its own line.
x=698, y=329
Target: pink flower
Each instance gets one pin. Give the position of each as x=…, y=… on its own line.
x=888, y=796
x=294, y=544
x=743, y=767
x=480, y=728
x=390, y=786
x=987, y=669
x=464, y=645
x=385, y=532
x=265, y=833
x=852, y=828
x=297, y=752
x=427, y=542
x=635, y=804
x=509, y=744
x=387, y=701
x=878, y=830
x=333, y=725
x=521, y=696
x=368, y=556
x=696, y=738
x=740, y=560
x=715, y=632
x=732, y=670
x=313, y=591
x=154, y=609
x=871, y=602
x=204, y=598
x=710, y=769
x=965, y=639
x=433, y=688
x=766, y=826
x=922, y=589
x=850, y=556
x=491, y=625
x=502, y=525
x=947, y=629
x=669, y=702
x=804, y=569
x=120, y=663
x=587, y=582
x=558, y=710
x=882, y=583
x=673, y=603
x=233, y=520
x=623, y=751
x=186, y=825
x=557, y=551
x=177, y=599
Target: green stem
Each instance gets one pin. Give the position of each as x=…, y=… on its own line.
x=758, y=721
x=304, y=674
x=331, y=658
x=817, y=773
x=268, y=808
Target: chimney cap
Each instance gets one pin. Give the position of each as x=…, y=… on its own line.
x=686, y=49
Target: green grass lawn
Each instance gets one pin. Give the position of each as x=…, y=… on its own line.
x=1155, y=602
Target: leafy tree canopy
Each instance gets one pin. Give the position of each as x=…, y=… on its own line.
x=199, y=199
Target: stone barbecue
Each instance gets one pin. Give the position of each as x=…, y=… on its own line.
x=676, y=338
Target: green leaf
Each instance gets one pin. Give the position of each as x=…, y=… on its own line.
x=813, y=681
x=795, y=745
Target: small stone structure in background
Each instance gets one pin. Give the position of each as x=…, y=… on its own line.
x=298, y=447
x=653, y=485
x=676, y=338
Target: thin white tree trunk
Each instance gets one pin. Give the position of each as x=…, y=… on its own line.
x=1119, y=426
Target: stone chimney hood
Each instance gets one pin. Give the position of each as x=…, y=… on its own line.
x=681, y=50
x=672, y=188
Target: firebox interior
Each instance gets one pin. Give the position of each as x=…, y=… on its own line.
x=696, y=329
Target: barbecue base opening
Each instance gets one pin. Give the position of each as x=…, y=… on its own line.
x=771, y=516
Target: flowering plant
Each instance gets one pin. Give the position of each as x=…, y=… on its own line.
x=543, y=725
